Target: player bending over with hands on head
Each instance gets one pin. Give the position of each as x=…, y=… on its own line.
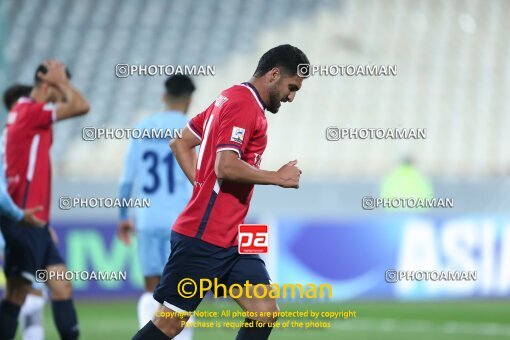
x=32, y=311
x=29, y=135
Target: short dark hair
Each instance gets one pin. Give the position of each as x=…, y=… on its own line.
x=179, y=86
x=286, y=57
x=43, y=69
x=14, y=92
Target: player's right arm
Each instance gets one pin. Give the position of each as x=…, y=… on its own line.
x=229, y=167
x=75, y=103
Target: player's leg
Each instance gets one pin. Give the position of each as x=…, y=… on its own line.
x=164, y=254
x=16, y=292
x=64, y=313
x=152, y=265
x=266, y=305
x=147, y=306
x=188, y=256
x=32, y=326
x=22, y=253
x=31, y=315
x=168, y=320
x=61, y=291
x=252, y=268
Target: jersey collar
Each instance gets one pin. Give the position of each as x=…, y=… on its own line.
x=25, y=100
x=256, y=94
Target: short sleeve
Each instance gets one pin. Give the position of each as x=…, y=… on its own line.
x=45, y=115
x=235, y=128
x=196, y=125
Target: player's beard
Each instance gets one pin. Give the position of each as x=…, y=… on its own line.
x=274, y=102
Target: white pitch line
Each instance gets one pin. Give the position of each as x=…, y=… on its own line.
x=422, y=326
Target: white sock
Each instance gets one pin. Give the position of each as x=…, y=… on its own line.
x=147, y=307
x=34, y=332
x=31, y=317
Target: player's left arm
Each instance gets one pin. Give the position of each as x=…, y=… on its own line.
x=75, y=103
x=11, y=210
x=183, y=150
x=125, y=227
x=7, y=206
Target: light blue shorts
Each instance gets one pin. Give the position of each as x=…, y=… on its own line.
x=153, y=250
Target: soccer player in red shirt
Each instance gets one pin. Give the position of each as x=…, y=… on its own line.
x=32, y=312
x=28, y=172
x=232, y=136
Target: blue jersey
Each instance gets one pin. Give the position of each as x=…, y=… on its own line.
x=153, y=172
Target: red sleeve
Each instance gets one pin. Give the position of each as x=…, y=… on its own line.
x=235, y=128
x=196, y=124
x=44, y=115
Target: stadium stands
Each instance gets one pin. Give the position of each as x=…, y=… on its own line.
x=452, y=76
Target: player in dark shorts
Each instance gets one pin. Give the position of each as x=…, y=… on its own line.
x=32, y=313
x=232, y=136
x=29, y=136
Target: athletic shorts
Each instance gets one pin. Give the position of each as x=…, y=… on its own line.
x=27, y=249
x=153, y=250
x=192, y=258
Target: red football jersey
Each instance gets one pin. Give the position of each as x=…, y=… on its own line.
x=28, y=139
x=235, y=121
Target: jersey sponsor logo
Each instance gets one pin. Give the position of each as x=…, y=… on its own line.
x=253, y=239
x=220, y=101
x=237, y=135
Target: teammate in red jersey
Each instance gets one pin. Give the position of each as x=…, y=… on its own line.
x=28, y=172
x=232, y=136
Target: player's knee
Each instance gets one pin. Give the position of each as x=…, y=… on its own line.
x=267, y=312
x=61, y=290
x=17, y=297
x=273, y=310
x=17, y=290
x=170, y=326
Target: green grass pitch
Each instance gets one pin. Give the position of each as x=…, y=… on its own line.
x=466, y=320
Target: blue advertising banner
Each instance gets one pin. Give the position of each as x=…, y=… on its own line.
x=361, y=258
x=94, y=247
x=398, y=257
